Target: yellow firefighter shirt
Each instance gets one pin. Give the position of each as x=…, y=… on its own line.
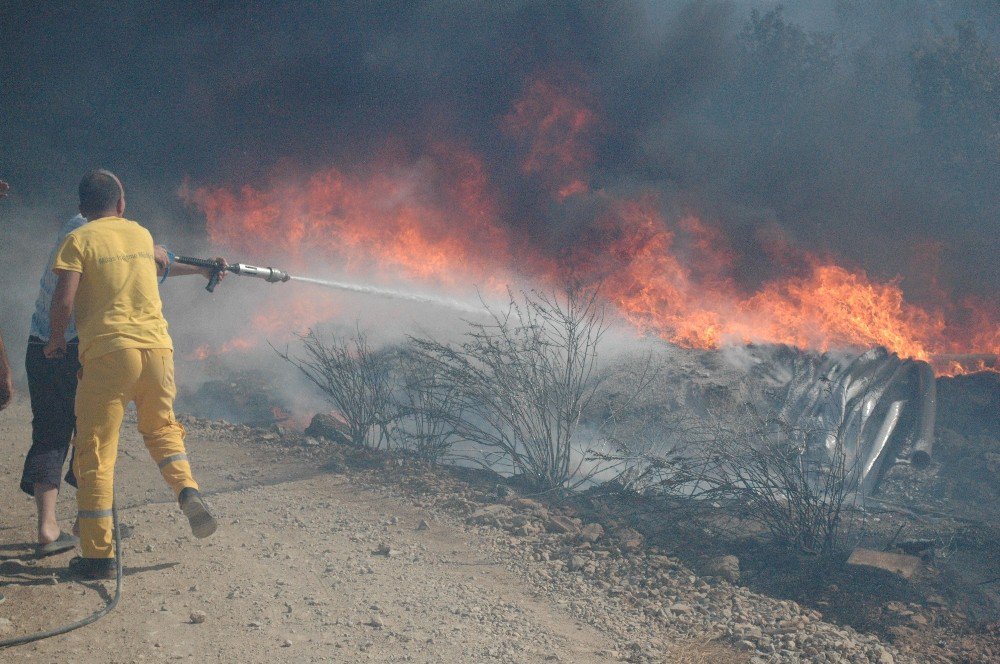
x=118, y=302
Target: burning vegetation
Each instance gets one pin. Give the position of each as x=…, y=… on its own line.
x=796, y=396
x=437, y=217
x=791, y=231
x=847, y=355
x=856, y=356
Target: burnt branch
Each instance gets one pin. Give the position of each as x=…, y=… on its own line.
x=355, y=379
x=515, y=390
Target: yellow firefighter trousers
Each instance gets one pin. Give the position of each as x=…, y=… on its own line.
x=107, y=384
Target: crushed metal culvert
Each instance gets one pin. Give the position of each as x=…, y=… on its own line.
x=875, y=409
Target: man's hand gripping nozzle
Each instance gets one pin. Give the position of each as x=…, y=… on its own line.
x=268, y=274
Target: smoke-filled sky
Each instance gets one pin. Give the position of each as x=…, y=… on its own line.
x=868, y=132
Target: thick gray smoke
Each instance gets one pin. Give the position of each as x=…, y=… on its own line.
x=868, y=131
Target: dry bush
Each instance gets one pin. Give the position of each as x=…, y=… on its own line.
x=355, y=379
x=763, y=470
x=667, y=463
x=756, y=470
x=518, y=385
x=422, y=403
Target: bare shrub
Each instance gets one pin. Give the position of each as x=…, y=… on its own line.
x=424, y=407
x=758, y=473
x=674, y=473
x=519, y=384
x=764, y=471
x=737, y=468
x=635, y=422
x=355, y=379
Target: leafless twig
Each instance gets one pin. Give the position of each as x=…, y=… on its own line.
x=355, y=379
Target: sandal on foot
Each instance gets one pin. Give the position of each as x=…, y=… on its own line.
x=65, y=542
x=196, y=510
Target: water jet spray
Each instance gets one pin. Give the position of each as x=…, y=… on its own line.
x=274, y=275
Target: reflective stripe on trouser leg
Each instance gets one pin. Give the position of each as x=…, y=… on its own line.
x=173, y=458
x=163, y=434
x=100, y=405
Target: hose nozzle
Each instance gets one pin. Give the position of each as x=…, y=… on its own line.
x=269, y=274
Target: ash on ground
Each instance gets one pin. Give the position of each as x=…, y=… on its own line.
x=241, y=397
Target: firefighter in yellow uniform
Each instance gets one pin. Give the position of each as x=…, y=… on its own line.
x=108, y=279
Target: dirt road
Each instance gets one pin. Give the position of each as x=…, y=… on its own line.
x=307, y=566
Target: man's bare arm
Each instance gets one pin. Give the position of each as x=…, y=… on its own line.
x=6, y=381
x=61, y=312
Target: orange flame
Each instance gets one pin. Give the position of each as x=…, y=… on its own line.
x=276, y=321
x=828, y=306
x=555, y=124
x=436, y=219
x=420, y=219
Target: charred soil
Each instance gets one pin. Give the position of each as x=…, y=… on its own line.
x=334, y=553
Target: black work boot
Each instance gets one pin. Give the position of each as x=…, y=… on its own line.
x=196, y=510
x=92, y=569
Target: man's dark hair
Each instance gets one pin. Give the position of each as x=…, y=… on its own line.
x=99, y=192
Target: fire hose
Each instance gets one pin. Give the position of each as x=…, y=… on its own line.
x=97, y=615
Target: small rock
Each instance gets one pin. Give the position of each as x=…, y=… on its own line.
x=491, y=515
x=560, y=524
x=198, y=617
x=286, y=643
x=6, y=626
x=592, y=532
x=885, y=657
x=526, y=504
x=897, y=563
x=630, y=539
x=329, y=426
x=727, y=567
x=423, y=525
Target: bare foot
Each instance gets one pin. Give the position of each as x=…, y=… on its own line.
x=48, y=534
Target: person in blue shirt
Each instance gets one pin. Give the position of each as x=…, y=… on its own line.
x=52, y=388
